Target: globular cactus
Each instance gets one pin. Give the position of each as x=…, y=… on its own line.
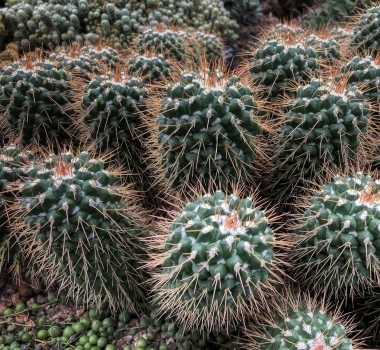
x=102, y=55
x=300, y=322
x=151, y=67
x=216, y=261
x=328, y=48
x=364, y=72
x=83, y=227
x=325, y=128
x=285, y=29
x=202, y=45
x=366, y=30
x=274, y=64
x=75, y=62
x=207, y=131
x=34, y=101
x=111, y=105
x=337, y=235
x=164, y=41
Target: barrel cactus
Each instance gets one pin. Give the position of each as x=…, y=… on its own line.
x=216, y=261
x=337, y=235
x=327, y=46
x=111, y=104
x=207, y=132
x=164, y=41
x=151, y=67
x=73, y=61
x=203, y=45
x=275, y=64
x=366, y=31
x=83, y=228
x=325, y=128
x=34, y=101
x=302, y=322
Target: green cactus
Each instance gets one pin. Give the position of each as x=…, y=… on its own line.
x=15, y=167
x=218, y=261
x=111, y=105
x=205, y=46
x=167, y=42
x=337, y=235
x=75, y=62
x=366, y=32
x=83, y=229
x=44, y=24
x=34, y=102
x=151, y=67
x=327, y=47
x=207, y=132
x=364, y=71
x=276, y=63
x=301, y=322
x=324, y=129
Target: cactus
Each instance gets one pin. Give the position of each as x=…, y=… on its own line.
x=83, y=229
x=46, y=24
x=301, y=322
x=111, y=104
x=337, y=235
x=244, y=11
x=151, y=67
x=75, y=62
x=167, y=42
x=207, y=132
x=15, y=166
x=276, y=63
x=327, y=46
x=365, y=72
x=366, y=31
x=217, y=261
x=325, y=128
x=202, y=45
x=34, y=100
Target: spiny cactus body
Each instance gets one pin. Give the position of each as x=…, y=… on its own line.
x=337, y=235
x=207, y=131
x=83, y=229
x=218, y=261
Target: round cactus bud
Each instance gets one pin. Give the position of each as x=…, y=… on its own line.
x=325, y=127
x=337, y=235
x=300, y=322
x=218, y=261
x=83, y=228
x=207, y=131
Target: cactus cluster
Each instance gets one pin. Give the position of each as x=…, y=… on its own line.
x=34, y=25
